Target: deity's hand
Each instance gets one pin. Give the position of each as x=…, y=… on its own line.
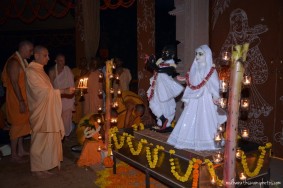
x=181, y=78
x=216, y=101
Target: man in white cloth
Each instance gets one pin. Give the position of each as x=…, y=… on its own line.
x=45, y=116
x=62, y=77
x=201, y=117
x=163, y=88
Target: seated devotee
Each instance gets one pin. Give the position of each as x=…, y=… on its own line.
x=90, y=135
x=46, y=122
x=62, y=77
x=130, y=109
x=93, y=99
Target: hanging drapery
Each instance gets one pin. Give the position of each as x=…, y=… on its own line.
x=91, y=20
x=28, y=11
x=108, y=4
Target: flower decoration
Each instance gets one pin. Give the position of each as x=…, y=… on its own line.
x=260, y=161
x=193, y=164
x=121, y=142
x=137, y=127
x=149, y=155
x=212, y=173
x=139, y=148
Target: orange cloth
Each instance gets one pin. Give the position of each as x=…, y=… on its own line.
x=127, y=97
x=19, y=121
x=92, y=98
x=89, y=155
x=45, y=118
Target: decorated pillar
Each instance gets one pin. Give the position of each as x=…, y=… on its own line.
x=145, y=46
x=108, y=99
x=237, y=73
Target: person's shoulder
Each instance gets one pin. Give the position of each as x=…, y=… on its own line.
x=13, y=62
x=68, y=68
x=52, y=69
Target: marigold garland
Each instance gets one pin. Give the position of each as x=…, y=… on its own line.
x=194, y=163
x=140, y=145
x=259, y=161
x=211, y=170
x=196, y=173
x=193, y=166
x=122, y=140
x=154, y=155
x=152, y=86
x=137, y=127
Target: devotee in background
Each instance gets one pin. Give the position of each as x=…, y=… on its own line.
x=163, y=88
x=130, y=109
x=45, y=116
x=93, y=100
x=62, y=77
x=201, y=116
x=81, y=71
x=124, y=74
x=17, y=112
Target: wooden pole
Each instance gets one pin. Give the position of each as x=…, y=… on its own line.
x=108, y=100
x=237, y=73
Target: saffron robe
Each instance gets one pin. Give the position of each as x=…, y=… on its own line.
x=19, y=121
x=90, y=154
x=45, y=119
x=127, y=97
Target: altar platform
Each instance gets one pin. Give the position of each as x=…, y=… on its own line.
x=162, y=171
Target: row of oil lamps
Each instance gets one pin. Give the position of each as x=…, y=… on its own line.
x=244, y=103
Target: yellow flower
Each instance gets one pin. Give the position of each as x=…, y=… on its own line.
x=260, y=161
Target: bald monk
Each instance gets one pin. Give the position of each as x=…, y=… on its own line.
x=13, y=78
x=130, y=109
x=45, y=116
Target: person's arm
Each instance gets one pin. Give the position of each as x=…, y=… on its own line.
x=130, y=107
x=52, y=75
x=13, y=69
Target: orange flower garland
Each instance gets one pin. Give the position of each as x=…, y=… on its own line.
x=193, y=164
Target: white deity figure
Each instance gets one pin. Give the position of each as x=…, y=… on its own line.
x=201, y=116
x=163, y=88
